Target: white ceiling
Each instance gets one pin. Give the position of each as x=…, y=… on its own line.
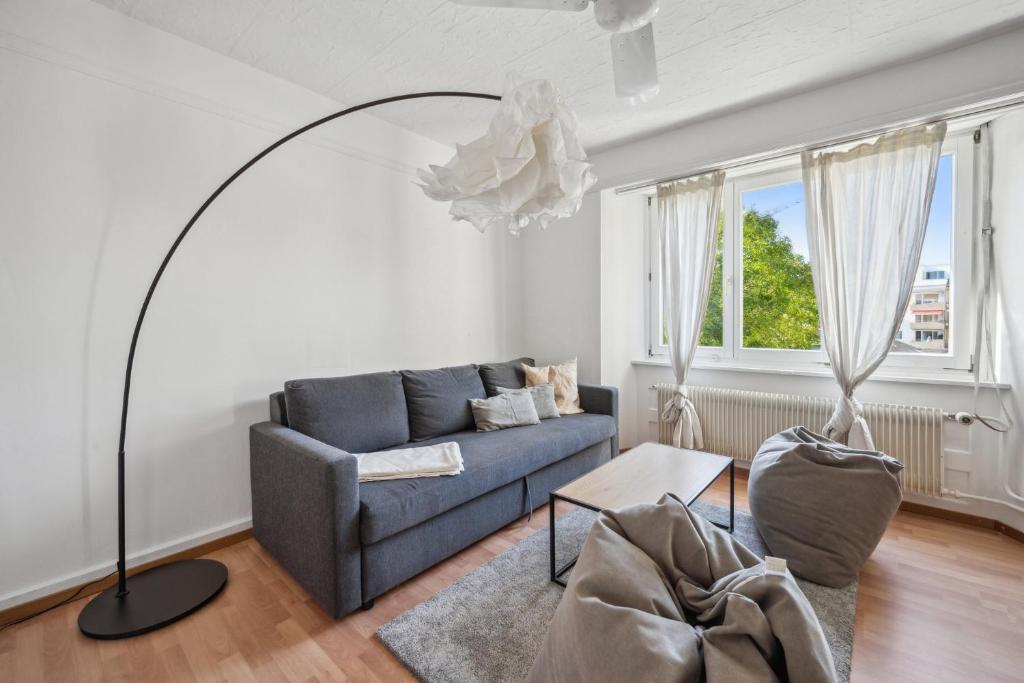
x=713, y=55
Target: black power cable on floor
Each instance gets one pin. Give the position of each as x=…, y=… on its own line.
x=63, y=602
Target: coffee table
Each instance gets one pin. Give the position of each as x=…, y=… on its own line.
x=643, y=475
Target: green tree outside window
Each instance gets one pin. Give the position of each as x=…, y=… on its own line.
x=779, y=308
x=711, y=333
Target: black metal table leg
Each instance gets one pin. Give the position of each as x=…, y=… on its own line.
x=556, y=572
x=732, y=496
x=551, y=532
x=731, y=526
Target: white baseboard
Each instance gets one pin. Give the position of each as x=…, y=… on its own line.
x=24, y=595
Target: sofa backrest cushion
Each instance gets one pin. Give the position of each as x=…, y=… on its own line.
x=438, y=400
x=358, y=414
x=278, y=411
x=508, y=374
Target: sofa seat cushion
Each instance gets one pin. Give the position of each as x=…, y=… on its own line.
x=492, y=459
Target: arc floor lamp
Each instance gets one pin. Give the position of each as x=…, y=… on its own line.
x=160, y=596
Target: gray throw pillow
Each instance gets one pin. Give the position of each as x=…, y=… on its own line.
x=508, y=374
x=503, y=411
x=821, y=505
x=543, y=396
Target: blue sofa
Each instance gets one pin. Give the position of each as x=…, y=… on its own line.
x=347, y=542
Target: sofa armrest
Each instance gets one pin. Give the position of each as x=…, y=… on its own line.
x=602, y=400
x=305, y=512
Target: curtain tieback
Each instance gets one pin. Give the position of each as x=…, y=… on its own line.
x=848, y=425
x=680, y=412
x=673, y=407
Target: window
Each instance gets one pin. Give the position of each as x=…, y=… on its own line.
x=762, y=307
x=779, y=308
x=711, y=333
x=930, y=313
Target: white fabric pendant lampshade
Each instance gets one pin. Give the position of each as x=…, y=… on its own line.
x=527, y=170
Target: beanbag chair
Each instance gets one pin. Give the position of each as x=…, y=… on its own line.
x=659, y=594
x=820, y=505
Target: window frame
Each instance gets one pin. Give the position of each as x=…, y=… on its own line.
x=756, y=356
x=960, y=145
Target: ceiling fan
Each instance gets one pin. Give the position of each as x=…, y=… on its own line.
x=634, y=63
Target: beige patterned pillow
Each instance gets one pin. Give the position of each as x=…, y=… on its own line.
x=537, y=376
x=563, y=376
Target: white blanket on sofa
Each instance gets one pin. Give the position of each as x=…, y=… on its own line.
x=437, y=460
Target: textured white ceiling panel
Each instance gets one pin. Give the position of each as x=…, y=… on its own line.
x=713, y=55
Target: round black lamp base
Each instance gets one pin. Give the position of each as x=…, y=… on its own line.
x=155, y=598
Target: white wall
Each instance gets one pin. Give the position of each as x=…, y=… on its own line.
x=960, y=77
x=622, y=302
x=1008, y=222
x=324, y=259
x=552, y=262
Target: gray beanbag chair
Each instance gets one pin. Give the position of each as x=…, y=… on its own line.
x=659, y=594
x=820, y=505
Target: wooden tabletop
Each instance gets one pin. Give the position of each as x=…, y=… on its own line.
x=643, y=475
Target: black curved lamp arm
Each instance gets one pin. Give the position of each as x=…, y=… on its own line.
x=121, y=576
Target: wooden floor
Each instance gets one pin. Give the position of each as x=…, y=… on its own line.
x=938, y=601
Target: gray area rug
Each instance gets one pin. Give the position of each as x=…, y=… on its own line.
x=489, y=625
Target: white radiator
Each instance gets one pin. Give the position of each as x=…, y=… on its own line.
x=736, y=423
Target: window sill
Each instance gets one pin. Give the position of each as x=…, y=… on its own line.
x=957, y=378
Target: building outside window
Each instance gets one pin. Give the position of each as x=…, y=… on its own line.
x=923, y=336
x=926, y=322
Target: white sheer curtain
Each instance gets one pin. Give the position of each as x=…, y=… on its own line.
x=867, y=210
x=688, y=213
